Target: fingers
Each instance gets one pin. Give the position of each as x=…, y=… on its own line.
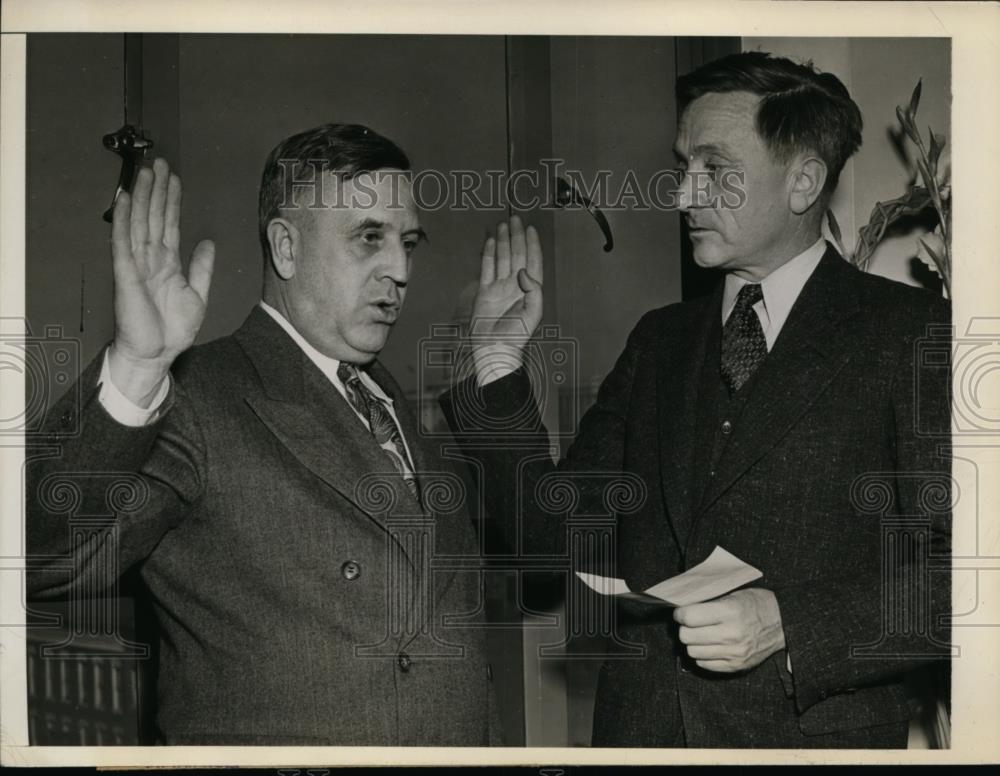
x=488, y=270
x=518, y=248
x=121, y=244
x=533, y=305
x=513, y=250
x=158, y=200
x=698, y=615
x=718, y=666
x=200, y=271
x=710, y=652
x=172, y=216
x=709, y=634
x=534, y=258
x=139, y=221
x=503, y=252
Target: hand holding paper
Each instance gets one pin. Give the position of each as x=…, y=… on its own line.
x=724, y=631
x=732, y=633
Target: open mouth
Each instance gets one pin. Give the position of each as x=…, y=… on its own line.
x=386, y=310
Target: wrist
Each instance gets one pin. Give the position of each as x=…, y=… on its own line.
x=770, y=616
x=137, y=379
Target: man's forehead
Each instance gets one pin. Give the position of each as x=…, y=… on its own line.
x=717, y=118
x=381, y=195
x=726, y=103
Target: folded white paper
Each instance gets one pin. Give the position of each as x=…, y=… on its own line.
x=720, y=573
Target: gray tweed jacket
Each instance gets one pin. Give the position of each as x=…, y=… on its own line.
x=296, y=582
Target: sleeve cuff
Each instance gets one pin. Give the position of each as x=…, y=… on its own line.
x=121, y=408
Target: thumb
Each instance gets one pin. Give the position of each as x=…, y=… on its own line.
x=527, y=283
x=532, y=297
x=200, y=271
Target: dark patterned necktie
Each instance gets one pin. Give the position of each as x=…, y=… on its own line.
x=380, y=422
x=743, y=343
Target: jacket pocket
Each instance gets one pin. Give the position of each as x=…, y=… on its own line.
x=854, y=709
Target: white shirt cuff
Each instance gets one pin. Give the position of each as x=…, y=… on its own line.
x=788, y=662
x=121, y=408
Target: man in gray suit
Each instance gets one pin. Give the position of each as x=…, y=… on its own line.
x=284, y=513
x=783, y=417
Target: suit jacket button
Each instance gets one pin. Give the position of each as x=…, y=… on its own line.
x=404, y=662
x=727, y=427
x=351, y=570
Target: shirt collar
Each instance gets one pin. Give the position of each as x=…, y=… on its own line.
x=328, y=366
x=780, y=289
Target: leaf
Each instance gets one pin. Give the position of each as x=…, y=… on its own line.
x=929, y=182
x=831, y=219
x=907, y=125
x=939, y=261
x=911, y=112
x=937, y=145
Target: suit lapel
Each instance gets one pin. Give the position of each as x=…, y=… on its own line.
x=808, y=354
x=679, y=401
x=315, y=423
x=317, y=426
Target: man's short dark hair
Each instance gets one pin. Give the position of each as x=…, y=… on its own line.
x=801, y=109
x=345, y=149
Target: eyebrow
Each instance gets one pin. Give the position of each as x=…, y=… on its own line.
x=705, y=148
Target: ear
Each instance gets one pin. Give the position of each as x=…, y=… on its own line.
x=808, y=176
x=284, y=238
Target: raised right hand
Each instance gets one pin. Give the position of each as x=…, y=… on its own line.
x=158, y=311
x=508, y=305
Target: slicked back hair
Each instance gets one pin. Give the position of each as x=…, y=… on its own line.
x=801, y=109
x=345, y=149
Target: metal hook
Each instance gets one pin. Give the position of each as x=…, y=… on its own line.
x=131, y=147
x=567, y=194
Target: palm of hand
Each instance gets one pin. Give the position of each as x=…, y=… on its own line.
x=158, y=310
x=501, y=311
x=508, y=306
x=159, y=315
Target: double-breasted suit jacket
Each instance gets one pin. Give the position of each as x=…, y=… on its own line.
x=295, y=579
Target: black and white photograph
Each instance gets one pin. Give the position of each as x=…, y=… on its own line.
x=435, y=387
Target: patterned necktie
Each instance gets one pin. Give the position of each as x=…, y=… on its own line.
x=381, y=423
x=743, y=343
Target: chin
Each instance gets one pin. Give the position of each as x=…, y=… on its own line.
x=370, y=345
x=709, y=260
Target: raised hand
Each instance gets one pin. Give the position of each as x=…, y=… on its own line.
x=158, y=311
x=508, y=305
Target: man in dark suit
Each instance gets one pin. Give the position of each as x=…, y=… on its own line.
x=281, y=507
x=778, y=417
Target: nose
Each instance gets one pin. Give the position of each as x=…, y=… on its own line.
x=396, y=263
x=683, y=192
